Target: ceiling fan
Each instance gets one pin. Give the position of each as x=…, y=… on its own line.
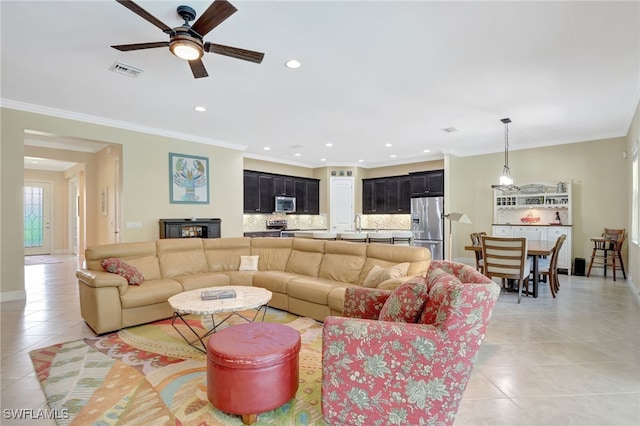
x=186, y=41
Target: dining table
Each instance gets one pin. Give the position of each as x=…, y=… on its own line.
x=535, y=249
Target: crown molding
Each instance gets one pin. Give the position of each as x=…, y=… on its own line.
x=92, y=119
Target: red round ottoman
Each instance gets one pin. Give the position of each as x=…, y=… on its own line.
x=252, y=368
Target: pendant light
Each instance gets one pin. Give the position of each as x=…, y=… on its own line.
x=506, y=181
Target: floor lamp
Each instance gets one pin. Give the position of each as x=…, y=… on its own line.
x=454, y=217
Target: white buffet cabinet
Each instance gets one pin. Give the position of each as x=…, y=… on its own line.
x=546, y=233
x=532, y=211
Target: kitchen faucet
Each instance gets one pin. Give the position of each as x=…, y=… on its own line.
x=357, y=222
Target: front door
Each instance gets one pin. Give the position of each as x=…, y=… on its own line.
x=37, y=217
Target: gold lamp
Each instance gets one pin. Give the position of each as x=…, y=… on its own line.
x=454, y=217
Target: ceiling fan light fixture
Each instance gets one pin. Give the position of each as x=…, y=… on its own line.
x=186, y=47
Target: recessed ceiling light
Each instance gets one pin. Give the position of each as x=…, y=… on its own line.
x=388, y=145
x=200, y=109
x=297, y=154
x=360, y=161
x=266, y=148
x=393, y=156
x=323, y=159
x=426, y=150
x=293, y=64
x=329, y=144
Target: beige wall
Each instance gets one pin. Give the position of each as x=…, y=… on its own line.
x=596, y=168
x=145, y=185
x=633, y=269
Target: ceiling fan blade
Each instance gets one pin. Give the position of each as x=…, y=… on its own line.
x=139, y=46
x=234, y=52
x=198, y=69
x=144, y=14
x=215, y=14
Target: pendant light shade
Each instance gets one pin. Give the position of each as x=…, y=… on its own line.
x=506, y=181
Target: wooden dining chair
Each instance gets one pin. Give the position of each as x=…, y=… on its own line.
x=549, y=267
x=506, y=258
x=476, y=240
x=607, y=249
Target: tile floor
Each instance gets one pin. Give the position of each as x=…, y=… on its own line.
x=574, y=360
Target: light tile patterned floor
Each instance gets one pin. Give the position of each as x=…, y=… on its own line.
x=574, y=360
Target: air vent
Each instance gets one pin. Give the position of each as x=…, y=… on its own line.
x=450, y=130
x=125, y=69
x=295, y=146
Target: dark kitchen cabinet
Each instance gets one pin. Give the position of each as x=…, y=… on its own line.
x=374, y=196
x=427, y=184
x=390, y=195
x=261, y=188
x=283, y=185
x=307, y=193
x=189, y=228
x=258, y=193
x=398, y=193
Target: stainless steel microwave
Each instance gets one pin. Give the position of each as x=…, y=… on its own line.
x=285, y=204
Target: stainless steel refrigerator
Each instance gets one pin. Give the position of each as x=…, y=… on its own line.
x=427, y=224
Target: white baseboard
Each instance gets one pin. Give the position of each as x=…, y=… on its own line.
x=9, y=296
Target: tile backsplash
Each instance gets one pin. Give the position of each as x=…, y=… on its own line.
x=258, y=222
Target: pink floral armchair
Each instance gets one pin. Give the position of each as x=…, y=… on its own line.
x=382, y=372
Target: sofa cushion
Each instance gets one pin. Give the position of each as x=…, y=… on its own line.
x=306, y=257
x=181, y=256
x=342, y=261
x=207, y=279
x=406, y=302
x=386, y=255
x=311, y=289
x=223, y=254
x=122, y=268
x=249, y=263
x=274, y=281
x=149, y=293
x=378, y=274
x=274, y=252
x=141, y=255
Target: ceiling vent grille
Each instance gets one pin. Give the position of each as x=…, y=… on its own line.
x=450, y=130
x=125, y=69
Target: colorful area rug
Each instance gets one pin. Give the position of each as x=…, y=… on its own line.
x=149, y=375
x=40, y=260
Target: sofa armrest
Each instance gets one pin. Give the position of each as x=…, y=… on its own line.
x=98, y=279
x=391, y=373
x=364, y=302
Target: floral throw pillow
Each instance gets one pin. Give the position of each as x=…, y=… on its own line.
x=406, y=302
x=122, y=268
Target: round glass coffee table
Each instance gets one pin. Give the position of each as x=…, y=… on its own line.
x=191, y=303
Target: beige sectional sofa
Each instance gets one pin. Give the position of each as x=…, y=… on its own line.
x=306, y=277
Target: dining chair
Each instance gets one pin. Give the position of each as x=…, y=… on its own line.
x=549, y=267
x=606, y=249
x=476, y=240
x=506, y=258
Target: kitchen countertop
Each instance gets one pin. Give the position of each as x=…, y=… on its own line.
x=528, y=224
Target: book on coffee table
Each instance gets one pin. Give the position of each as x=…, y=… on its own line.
x=217, y=294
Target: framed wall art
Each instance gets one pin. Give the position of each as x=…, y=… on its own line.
x=188, y=179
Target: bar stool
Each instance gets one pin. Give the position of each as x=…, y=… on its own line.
x=380, y=237
x=606, y=249
x=402, y=237
x=354, y=237
x=324, y=235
